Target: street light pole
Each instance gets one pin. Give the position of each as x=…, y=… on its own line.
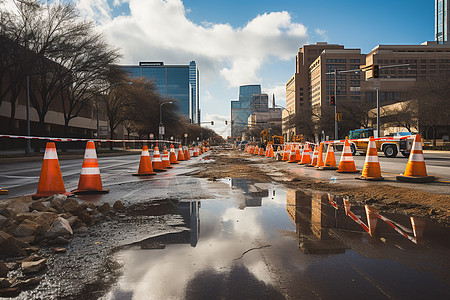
x=335, y=105
x=28, y=144
x=161, y=126
x=289, y=117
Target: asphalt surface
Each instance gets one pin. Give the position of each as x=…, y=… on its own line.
x=21, y=177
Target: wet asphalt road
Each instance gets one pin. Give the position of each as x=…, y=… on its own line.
x=236, y=239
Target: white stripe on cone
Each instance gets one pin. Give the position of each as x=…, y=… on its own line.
x=90, y=171
x=50, y=154
x=416, y=157
x=370, y=158
x=90, y=153
x=346, y=158
x=145, y=153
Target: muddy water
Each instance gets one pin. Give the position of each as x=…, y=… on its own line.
x=266, y=242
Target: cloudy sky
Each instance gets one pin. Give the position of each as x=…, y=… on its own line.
x=250, y=42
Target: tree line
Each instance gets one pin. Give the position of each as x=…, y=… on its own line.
x=67, y=66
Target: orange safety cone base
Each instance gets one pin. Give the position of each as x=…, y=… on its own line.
x=309, y=165
x=344, y=171
x=327, y=168
x=145, y=174
x=4, y=192
x=370, y=178
x=414, y=179
x=159, y=170
x=84, y=192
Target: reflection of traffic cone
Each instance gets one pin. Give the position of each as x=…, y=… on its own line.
x=320, y=162
x=347, y=205
x=347, y=164
x=3, y=191
x=90, y=180
x=50, y=180
x=165, y=159
x=306, y=156
x=145, y=165
x=372, y=219
x=172, y=155
x=330, y=160
x=314, y=158
x=416, y=171
x=292, y=155
x=418, y=225
x=371, y=170
x=157, y=161
x=180, y=155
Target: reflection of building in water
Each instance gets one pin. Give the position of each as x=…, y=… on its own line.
x=189, y=211
x=313, y=216
x=252, y=194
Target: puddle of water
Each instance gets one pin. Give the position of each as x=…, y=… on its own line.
x=262, y=239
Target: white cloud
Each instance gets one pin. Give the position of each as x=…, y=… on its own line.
x=160, y=30
x=322, y=33
x=219, y=126
x=280, y=94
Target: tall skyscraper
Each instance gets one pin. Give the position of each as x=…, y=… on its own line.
x=242, y=109
x=441, y=21
x=194, y=75
x=180, y=82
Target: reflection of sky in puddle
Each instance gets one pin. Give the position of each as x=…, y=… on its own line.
x=258, y=215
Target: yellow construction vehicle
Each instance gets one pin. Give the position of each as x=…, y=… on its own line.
x=267, y=138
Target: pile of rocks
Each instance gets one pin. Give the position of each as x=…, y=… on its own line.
x=26, y=225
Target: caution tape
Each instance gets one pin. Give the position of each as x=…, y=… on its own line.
x=412, y=239
x=82, y=140
x=358, y=221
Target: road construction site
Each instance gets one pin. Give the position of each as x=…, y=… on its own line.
x=232, y=225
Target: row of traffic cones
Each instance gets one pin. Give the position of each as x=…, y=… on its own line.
x=51, y=181
x=415, y=169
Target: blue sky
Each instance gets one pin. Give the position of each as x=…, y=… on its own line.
x=250, y=42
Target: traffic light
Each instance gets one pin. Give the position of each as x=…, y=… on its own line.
x=375, y=71
x=212, y=122
x=226, y=122
x=332, y=101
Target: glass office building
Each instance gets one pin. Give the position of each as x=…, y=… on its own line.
x=242, y=109
x=441, y=21
x=180, y=82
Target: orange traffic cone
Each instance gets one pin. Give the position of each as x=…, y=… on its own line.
x=371, y=170
x=372, y=219
x=292, y=155
x=187, y=156
x=314, y=158
x=286, y=152
x=50, y=180
x=180, y=156
x=157, y=161
x=195, y=151
x=172, y=155
x=256, y=151
x=298, y=153
x=306, y=156
x=416, y=171
x=246, y=148
x=267, y=150
x=347, y=164
x=145, y=165
x=90, y=181
x=165, y=159
x=271, y=154
x=330, y=160
x=320, y=162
